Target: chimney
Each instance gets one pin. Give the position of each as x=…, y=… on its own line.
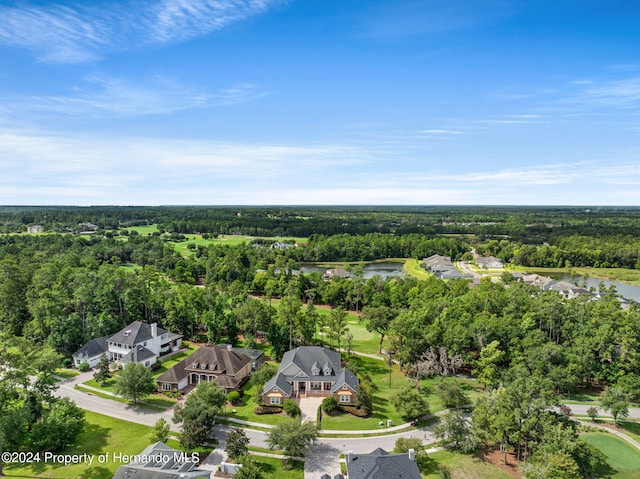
x=412, y=454
x=349, y=456
x=154, y=330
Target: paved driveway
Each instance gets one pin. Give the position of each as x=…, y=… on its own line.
x=309, y=408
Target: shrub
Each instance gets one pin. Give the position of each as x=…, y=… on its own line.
x=291, y=408
x=267, y=410
x=329, y=404
x=354, y=411
x=84, y=367
x=233, y=397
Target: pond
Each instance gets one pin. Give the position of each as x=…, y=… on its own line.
x=628, y=291
x=385, y=269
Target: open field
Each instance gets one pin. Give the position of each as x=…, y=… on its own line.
x=102, y=435
x=182, y=247
x=623, y=459
x=412, y=267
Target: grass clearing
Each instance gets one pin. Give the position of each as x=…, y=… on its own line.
x=623, y=459
x=272, y=467
x=412, y=268
x=464, y=466
x=66, y=373
x=182, y=247
x=623, y=275
x=102, y=435
x=245, y=412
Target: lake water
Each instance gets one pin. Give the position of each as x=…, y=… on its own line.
x=384, y=269
x=628, y=291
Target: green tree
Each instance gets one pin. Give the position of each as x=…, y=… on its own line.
x=454, y=430
x=135, y=382
x=378, y=319
x=161, y=430
x=338, y=324
x=592, y=412
x=103, y=373
x=616, y=401
x=291, y=408
x=198, y=414
x=260, y=377
x=293, y=437
x=487, y=370
x=451, y=394
x=59, y=427
x=237, y=444
x=410, y=402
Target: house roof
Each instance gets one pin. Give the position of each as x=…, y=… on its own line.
x=382, y=465
x=135, y=333
x=280, y=382
x=95, y=347
x=207, y=359
x=252, y=353
x=345, y=377
x=138, y=354
x=304, y=357
x=159, y=461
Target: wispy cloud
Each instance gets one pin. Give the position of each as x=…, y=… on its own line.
x=105, y=95
x=620, y=93
x=440, y=132
x=68, y=33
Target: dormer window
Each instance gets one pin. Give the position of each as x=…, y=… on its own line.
x=327, y=371
x=315, y=372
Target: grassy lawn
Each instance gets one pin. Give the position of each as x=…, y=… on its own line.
x=143, y=229
x=245, y=411
x=66, y=373
x=156, y=399
x=623, y=459
x=464, y=466
x=182, y=246
x=102, y=435
x=412, y=268
x=272, y=467
x=160, y=404
x=170, y=362
x=382, y=408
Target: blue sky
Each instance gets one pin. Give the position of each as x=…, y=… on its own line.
x=154, y=102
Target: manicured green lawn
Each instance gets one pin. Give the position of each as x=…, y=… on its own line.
x=143, y=229
x=272, y=467
x=245, y=410
x=464, y=466
x=102, y=435
x=173, y=360
x=182, y=246
x=412, y=267
x=66, y=373
x=623, y=459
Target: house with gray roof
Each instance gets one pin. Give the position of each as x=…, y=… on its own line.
x=159, y=461
x=138, y=343
x=310, y=371
x=379, y=464
x=226, y=367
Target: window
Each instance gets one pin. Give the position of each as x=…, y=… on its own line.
x=327, y=371
x=274, y=400
x=345, y=398
x=146, y=363
x=315, y=372
x=327, y=386
x=166, y=387
x=316, y=386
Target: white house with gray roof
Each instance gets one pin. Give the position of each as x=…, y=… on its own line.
x=138, y=343
x=309, y=371
x=379, y=464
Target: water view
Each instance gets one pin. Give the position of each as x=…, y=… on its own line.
x=384, y=269
x=628, y=291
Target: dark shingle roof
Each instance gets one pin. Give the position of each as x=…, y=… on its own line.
x=304, y=357
x=382, y=465
x=136, y=333
x=95, y=347
x=280, y=381
x=159, y=461
x=345, y=377
x=138, y=354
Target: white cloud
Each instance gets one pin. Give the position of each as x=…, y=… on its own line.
x=440, y=132
x=104, y=95
x=76, y=32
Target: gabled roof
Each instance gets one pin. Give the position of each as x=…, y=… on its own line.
x=207, y=359
x=345, y=377
x=382, y=465
x=138, y=354
x=280, y=382
x=135, y=333
x=211, y=358
x=304, y=357
x=95, y=347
